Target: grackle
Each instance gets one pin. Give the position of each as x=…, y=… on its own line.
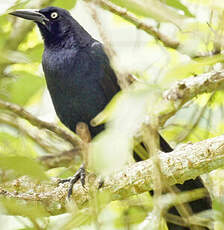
x=79, y=77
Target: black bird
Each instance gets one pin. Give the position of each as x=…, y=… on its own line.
x=79, y=77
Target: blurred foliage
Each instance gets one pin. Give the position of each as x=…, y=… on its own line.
x=197, y=26
x=145, y=99
x=22, y=166
x=18, y=208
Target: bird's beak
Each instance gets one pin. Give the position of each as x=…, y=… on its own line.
x=30, y=14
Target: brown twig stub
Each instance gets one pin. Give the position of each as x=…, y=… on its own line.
x=83, y=132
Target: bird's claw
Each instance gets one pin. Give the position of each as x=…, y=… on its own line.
x=62, y=181
x=79, y=175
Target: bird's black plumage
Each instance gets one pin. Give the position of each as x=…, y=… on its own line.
x=78, y=73
x=77, y=70
x=79, y=77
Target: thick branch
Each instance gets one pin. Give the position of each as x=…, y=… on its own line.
x=187, y=89
x=184, y=163
x=175, y=97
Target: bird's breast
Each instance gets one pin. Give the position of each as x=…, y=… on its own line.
x=57, y=63
x=73, y=82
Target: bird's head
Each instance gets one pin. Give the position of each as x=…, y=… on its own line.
x=56, y=24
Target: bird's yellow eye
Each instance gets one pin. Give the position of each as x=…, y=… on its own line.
x=54, y=15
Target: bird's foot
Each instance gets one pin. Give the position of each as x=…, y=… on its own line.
x=79, y=175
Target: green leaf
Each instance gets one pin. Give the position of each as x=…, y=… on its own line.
x=126, y=113
x=20, y=89
x=68, y=4
x=131, y=215
x=178, y=5
x=10, y=144
x=218, y=207
x=29, y=209
x=4, y=30
x=8, y=57
x=23, y=166
x=35, y=53
x=16, y=155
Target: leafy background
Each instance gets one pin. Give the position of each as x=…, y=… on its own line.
x=196, y=25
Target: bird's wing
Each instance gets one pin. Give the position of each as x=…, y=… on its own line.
x=109, y=79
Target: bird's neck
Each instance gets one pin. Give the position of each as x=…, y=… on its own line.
x=75, y=36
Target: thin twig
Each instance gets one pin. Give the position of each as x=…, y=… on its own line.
x=21, y=112
x=192, y=220
x=140, y=24
x=63, y=159
x=185, y=90
x=189, y=130
x=107, y=43
x=51, y=144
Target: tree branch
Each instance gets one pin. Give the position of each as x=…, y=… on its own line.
x=63, y=133
x=185, y=90
x=63, y=159
x=184, y=163
x=175, y=98
x=50, y=143
x=140, y=24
